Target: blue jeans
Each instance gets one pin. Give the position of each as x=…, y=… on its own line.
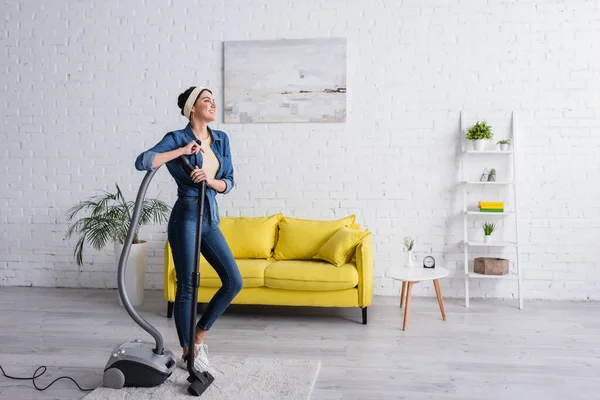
x=182, y=239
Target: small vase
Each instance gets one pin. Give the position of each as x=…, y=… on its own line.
x=504, y=146
x=409, y=260
x=478, y=145
x=487, y=238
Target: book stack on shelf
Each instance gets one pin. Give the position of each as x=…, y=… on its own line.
x=491, y=206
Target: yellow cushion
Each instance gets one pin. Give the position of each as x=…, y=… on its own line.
x=300, y=239
x=250, y=237
x=310, y=275
x=339, y=249
x=252, y=271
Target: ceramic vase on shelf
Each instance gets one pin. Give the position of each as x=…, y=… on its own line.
x=479, y=145
x=504, y=146
x=487, y=238
x=409, y=260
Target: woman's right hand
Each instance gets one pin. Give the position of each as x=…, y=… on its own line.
x=191, y=148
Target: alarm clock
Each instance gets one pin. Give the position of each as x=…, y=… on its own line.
x=428, y=262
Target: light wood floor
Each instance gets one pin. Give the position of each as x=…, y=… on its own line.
x=548, y=350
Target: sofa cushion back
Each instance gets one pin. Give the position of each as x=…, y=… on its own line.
x=251, y=237
x=301, y=239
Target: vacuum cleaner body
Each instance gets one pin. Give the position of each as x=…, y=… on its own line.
x=136, y=364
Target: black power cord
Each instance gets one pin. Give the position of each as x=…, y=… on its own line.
x=36, y=375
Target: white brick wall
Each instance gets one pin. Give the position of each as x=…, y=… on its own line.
x=86, y=86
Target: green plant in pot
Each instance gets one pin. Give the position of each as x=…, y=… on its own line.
x=478, y=134
x=492, y=175
x=488, y=229
x=503, y=144
x=108, y=219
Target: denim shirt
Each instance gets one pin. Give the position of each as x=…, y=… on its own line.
x=185, y=185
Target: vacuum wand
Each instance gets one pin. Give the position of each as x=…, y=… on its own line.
x=200, y=380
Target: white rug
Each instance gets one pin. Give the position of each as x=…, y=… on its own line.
x=236, y=378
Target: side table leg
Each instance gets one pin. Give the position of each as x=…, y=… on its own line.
x=406, y=309
x=402, y=294
x=438, y=292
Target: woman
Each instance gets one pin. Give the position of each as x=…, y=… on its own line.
x=212, y=159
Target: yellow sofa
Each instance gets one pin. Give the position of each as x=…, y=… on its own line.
x=287, y=261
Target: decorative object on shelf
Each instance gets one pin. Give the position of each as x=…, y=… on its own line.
x=491, y=206
x=492, y=175
x=429, y=262
x=488, y=228
x=478, y=133
x=485, y=176
x=409, y=243
x=503, y=144
x=490, y=266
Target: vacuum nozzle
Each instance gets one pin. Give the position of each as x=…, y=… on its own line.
x=200, y=381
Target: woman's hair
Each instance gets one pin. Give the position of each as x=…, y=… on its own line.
x=184, y=96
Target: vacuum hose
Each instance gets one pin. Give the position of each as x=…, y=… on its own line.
x=123, y=262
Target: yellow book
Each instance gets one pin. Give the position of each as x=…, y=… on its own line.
x=492, y=204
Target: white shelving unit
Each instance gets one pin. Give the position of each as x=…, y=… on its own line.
x=516, y=273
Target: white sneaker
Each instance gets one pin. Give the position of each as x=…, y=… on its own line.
x=182, y=363
x=201, y=362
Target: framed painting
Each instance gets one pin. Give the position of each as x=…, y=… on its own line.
x=300, y=80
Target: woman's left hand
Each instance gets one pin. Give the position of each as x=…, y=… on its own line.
x=198, y=175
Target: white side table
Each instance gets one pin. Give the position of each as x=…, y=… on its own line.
x=414, y=275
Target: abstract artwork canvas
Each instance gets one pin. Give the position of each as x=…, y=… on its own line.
x=299, y=80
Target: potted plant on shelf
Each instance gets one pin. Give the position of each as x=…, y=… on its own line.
x=492, y=175
x=503, y=144
x=108, y=221
x=408, y=246
x=478, y=133
x=488, y=228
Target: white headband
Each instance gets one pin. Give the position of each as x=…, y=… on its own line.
x=189, y=103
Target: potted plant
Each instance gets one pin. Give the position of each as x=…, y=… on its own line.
x=488, y=228
x=408, y=246
x=492, y=175
x=108, y=221
x=478, y=133
x=503, y=144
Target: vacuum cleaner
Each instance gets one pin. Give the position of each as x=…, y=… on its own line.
x=139, y=364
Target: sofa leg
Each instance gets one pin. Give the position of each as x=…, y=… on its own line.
x=364, y=315
x=170, y=309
